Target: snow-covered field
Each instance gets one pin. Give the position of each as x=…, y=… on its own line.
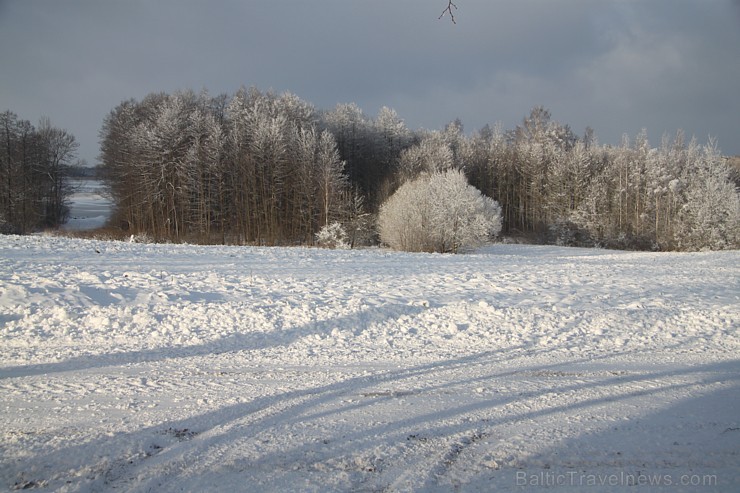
x=131, y=367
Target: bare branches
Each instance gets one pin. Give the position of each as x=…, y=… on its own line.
x=448, y=11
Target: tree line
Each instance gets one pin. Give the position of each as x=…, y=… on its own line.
x=554, y=186
x=574, y=191
x=34, y=168
x=262, y=168
x=254, y=168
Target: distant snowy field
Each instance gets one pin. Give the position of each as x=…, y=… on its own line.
x=131, y=367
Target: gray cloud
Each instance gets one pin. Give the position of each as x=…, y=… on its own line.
x=614, y=65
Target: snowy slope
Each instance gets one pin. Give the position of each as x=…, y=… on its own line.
x=130, y=367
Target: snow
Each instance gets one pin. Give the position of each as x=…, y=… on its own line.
x=140, y=367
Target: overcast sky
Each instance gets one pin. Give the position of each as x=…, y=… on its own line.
x=615, y=65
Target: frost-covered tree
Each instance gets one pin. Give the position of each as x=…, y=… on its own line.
x=463, y=217
x=431, y=155
x=369, y=148
x=404, y=219
x=331, y=182
x=354, y=135
x=438, y=212
x=710, y=217
x=332, y=236
x=358, y=223
x=393, y=136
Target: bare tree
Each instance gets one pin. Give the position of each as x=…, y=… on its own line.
x=58, y=151
x=34, y=172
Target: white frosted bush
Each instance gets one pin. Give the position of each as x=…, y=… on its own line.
x=438, y=212
x=332, y=235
